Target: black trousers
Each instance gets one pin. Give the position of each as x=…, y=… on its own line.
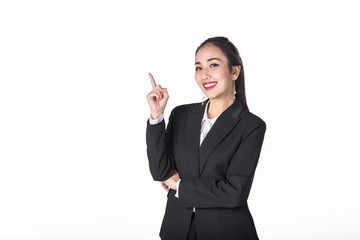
x=192, y=235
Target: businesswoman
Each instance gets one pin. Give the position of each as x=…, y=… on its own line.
x=207, y=155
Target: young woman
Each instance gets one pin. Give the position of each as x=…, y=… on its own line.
x=207, y=155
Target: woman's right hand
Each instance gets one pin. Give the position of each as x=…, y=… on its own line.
x=157, y=98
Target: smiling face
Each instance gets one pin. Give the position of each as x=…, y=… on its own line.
x=212, y=73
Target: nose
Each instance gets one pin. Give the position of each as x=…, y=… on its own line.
x=205, y=73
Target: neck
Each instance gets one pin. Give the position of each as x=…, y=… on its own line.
x=217, y=106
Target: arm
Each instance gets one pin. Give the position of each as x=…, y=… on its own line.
x=234, y=190
x=159, y=149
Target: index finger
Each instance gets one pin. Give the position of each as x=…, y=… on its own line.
x=153, y=84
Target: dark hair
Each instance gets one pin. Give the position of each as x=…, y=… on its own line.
x=234, y=59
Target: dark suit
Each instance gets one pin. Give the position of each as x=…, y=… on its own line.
x=215, y=178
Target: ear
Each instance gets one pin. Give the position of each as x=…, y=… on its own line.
x=235, y=72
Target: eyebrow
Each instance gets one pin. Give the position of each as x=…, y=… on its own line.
x=209, y=60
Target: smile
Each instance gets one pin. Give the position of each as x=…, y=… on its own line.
x=209, y=85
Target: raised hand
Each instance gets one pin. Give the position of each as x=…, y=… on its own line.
x=157, y=98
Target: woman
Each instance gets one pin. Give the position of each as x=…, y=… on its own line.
x=208, y=153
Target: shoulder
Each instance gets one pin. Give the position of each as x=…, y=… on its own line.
x=251, y=117
x=252, y=121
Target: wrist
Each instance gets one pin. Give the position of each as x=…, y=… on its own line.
x=155, y=115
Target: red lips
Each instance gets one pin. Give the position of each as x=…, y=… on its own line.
x=210, y=87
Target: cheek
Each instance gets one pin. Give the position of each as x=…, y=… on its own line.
x=222, y=73
x=197, y=77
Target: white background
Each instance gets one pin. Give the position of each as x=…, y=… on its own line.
x=73, y=162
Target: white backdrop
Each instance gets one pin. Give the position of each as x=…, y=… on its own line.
x=73, y=107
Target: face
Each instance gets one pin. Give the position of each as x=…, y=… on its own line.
x=212, y=73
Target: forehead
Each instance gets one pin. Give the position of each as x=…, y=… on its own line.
x=209, y=51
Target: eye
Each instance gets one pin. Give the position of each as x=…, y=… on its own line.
x=214, y=64
x=196, y=69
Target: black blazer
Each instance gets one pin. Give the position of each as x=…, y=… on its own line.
x=215, y=178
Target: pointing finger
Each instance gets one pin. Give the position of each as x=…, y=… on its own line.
x=153, y=84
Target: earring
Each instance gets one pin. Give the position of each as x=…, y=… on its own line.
x=234, y=90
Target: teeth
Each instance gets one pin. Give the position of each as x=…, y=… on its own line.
x=209, y=85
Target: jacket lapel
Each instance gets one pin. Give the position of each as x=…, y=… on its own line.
x=198, y=155
x=192, y=137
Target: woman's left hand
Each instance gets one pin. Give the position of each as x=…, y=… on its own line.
x=171, y=181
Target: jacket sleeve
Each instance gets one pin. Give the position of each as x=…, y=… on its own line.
x=159, y=149
x=232, y=191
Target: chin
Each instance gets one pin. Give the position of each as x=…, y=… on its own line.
x=212, y=97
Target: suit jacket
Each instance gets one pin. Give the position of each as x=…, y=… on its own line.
x=216, y=177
